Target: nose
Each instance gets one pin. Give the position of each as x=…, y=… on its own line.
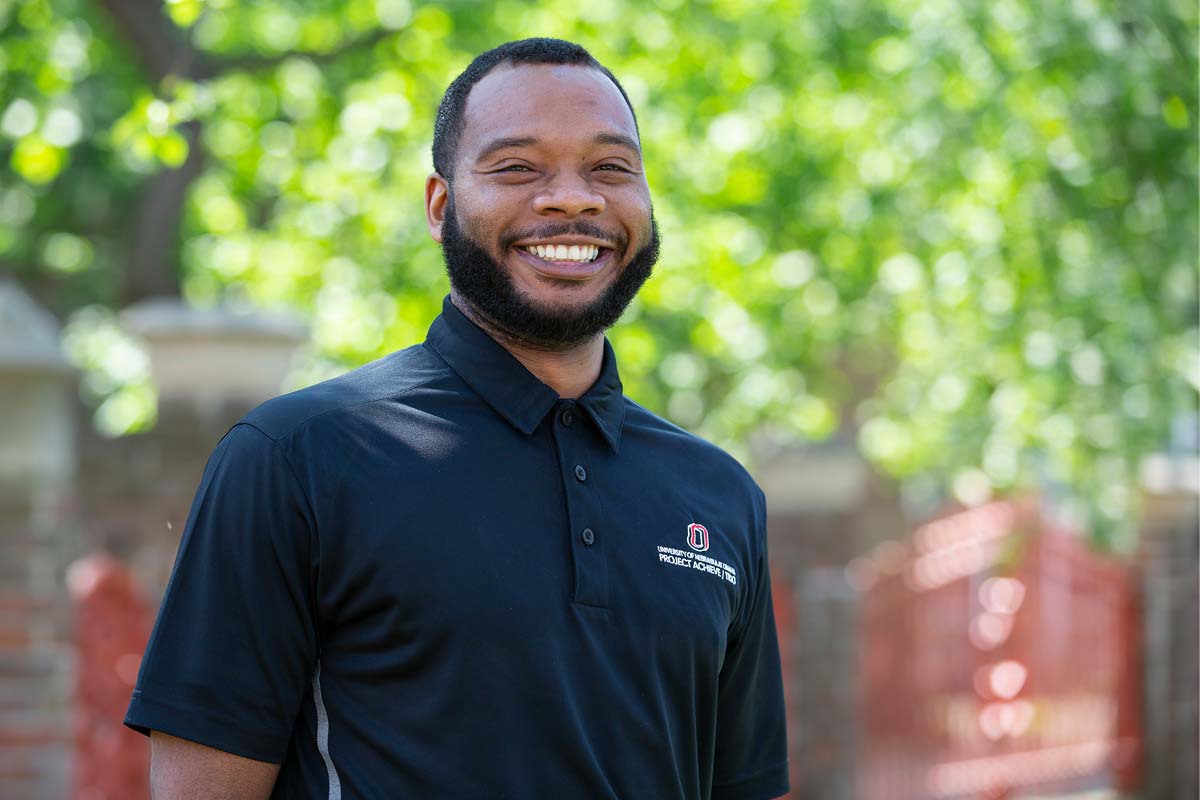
x=569, y=195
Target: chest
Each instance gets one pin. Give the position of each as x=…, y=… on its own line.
x=543, y=543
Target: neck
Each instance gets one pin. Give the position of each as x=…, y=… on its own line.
x=570, y=371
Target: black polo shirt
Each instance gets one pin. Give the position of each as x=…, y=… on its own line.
x=432, y=577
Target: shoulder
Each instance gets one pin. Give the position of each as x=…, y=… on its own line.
x=697, y=458
x=342, y=398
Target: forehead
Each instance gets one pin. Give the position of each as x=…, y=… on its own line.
x=543, y=101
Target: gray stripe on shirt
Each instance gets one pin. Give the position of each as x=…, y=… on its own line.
x=335, y=783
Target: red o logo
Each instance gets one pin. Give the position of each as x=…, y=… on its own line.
x=697, y=537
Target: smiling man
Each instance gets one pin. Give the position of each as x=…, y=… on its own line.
x=474, y=568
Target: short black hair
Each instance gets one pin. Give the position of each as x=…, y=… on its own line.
x=447, y=129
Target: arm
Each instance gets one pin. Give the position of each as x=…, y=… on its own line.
x=181, y=769
x=751, y=747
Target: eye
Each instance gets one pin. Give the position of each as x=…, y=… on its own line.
x=515, y=168
x=612, y=168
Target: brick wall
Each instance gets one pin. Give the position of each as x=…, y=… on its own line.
x=36, y=658
x=135, y=492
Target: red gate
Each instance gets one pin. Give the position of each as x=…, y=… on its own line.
x=112, y=626
x=997, y=653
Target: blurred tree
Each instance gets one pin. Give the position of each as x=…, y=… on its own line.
x=965, y=232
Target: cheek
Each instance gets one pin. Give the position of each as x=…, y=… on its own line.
x=634, y=198
x=637, y=213
x=489, y=214
x=482, y=225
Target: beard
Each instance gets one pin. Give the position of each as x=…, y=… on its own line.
x=487, y=286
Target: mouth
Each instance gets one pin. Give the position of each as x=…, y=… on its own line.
x=565, y=261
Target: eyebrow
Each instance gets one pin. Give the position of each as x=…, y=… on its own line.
x=503, y=143
x=618, y=139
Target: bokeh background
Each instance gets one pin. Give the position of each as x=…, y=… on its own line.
x=929, y=268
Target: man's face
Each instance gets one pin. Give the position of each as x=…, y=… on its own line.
x=548, y=231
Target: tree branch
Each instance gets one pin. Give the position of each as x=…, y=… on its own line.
x=210, y=68
x=166, y=52
x=156, y=41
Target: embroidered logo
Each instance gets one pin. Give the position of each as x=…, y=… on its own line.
x=697, y=539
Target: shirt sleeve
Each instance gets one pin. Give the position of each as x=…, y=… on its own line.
x=751, y=749
x=235, y=644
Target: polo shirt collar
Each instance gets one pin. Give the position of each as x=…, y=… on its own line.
x=513, y=391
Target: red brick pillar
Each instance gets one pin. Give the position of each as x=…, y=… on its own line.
x=112, y=624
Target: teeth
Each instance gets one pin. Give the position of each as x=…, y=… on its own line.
x=564, y=252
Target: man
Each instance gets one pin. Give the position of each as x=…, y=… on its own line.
x=473, y=568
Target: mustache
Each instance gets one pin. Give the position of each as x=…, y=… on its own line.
x=577, y=228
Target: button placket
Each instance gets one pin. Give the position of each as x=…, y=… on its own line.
x=574, y=444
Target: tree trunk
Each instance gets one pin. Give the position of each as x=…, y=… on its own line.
x=164, y=51
x=153, y=268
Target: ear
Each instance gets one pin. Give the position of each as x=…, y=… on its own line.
x=437, y=195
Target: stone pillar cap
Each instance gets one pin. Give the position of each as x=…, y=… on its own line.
x=171, y=317
x=29, y=334
x=211, y=357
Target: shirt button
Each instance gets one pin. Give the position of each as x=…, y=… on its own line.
x=580, y=472
x=589, y=538
x=567, y=417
